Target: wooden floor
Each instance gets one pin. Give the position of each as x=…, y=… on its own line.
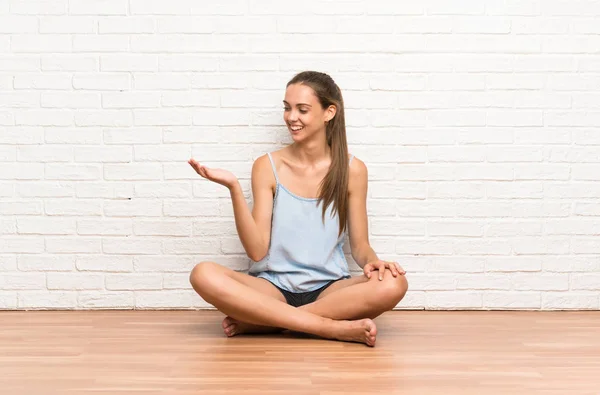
x=186, y=352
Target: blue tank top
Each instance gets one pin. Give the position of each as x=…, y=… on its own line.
x=304, y=253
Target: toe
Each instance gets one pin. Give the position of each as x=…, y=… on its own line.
x=232, y=330
x=227, y=322
x=372, y=328
x=229, y=331
x=371, y=340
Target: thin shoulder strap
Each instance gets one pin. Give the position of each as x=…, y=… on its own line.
x=273, y=166
x=351, y=157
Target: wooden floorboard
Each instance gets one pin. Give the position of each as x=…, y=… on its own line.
x=186, y=352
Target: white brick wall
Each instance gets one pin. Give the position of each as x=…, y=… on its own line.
x=479, y=122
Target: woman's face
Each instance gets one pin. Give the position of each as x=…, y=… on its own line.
x=302, y=112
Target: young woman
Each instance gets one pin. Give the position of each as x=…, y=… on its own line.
x=307, y=196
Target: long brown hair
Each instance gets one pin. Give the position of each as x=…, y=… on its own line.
x=334, y=187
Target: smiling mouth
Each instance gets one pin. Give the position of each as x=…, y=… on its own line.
x=296, y=128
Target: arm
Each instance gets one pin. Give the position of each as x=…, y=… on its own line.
x=357, y=214
x=254, y=229
x=361, y=249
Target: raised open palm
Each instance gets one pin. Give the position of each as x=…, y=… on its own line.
x=220, y=176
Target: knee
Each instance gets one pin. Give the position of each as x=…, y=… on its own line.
x=202, y=275
x=392, y=290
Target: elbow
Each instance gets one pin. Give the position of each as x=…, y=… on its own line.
x=257, y=255
x=258, y=250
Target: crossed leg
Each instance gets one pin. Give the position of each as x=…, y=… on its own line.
x=343, y=311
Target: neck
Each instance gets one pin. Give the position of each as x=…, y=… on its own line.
x=311, y=152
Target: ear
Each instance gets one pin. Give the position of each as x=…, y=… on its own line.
x=330, y=113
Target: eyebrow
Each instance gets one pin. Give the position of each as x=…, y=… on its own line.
x=299, y=104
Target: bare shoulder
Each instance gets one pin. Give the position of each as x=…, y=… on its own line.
x=358, y=176
x=279, y=154
x=261, y=162
x=262, y=173
x=262, y=167
x=357, y=168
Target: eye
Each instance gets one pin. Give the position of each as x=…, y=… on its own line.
x=303, y=111
x=286, y=109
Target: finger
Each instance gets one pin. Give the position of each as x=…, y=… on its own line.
x=197, y=170
x=381, y=269
x=367, y=270
x=393, y=268
x=400, y=269
x=195, y=165
x=204, y=172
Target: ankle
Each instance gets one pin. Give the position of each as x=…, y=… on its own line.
x=329, y=328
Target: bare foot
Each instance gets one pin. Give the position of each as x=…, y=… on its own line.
x=361, y=331
x=233, y=327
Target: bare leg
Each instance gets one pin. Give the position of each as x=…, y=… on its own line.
x=231, y=326
x=245, y=304
x=339, y=301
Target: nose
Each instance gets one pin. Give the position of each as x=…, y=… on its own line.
x=292, y=116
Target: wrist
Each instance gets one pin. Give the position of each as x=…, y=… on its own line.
x=363, y=255
x=235, y=187
x=372, y=257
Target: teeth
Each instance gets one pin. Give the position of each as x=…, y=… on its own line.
x=296, y=128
